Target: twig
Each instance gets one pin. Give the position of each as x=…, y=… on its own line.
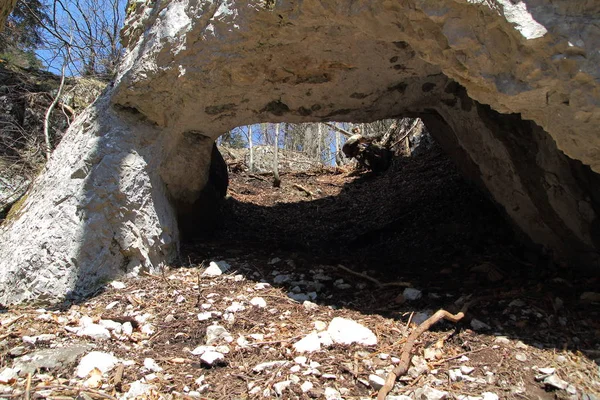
x=55, y=101
x=78, y=389
x=12, y=321
x=375, y=281
x=308, y=192
x=406, y=134
x=458, y=356
x=119, y=377
x=27, y=394
x=405, y=357
x=340, y=130
x=260, y=178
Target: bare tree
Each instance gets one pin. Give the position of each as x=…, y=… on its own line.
x=67, y=60
x=276, y=179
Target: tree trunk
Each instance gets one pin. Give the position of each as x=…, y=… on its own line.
x=276, y=180
x=251, y=149
x=338, y=154
x=320, y=139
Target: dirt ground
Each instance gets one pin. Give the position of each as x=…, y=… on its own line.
x=354, y=242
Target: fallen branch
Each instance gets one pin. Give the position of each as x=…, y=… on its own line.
x=303, y=189
x=405, y=357
x=79, y=390
x=375, y=281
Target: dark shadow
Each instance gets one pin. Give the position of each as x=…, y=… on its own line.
x=419, y=222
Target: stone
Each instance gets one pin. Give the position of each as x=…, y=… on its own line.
x=521, y=357
x=138, y=389
x=306, y=386
x=94, y=331
x=477, y=325
x=429, y=393
x=50, y=359
x=308, y=344
x=103, y=362
x=118, y=191
x=216, y=268
x=332, y=394
x=590, y=297
x=258, y=302
x=489, y=396
x=211, y=357
x=8, y=376
x=412, y=294
x=555, y=382
x=376, y=381
x=270, y=365
x=280, y=387
x=152, y=365
x=346, y=331
x=215, y=333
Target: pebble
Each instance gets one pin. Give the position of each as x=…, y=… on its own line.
x=103, y=362
x=117, y=285
x=261, y=286
x=111, y=325
x=308, y=344
x=376, y=381
x=215, y=333
x=320, y=325
x=8, y=376
x=282, y=278
x=306, y=386
x=502, y=340
x=309, y=305
x=332, y=394
x=412, y=294
x=269, y=365
x=127, y=328
x=346, y=331
x=211, y=357
x=489, y=396
x=137, y=389
x=216, y=269
x=429, y=393
x=300, y=360
x=279, y=387
x=236, y=306
x=94, y=331
x=521, y=357
x=555, y=382
x=478, y=325
x=258, y=302
x=152, y=365
x=466, y=370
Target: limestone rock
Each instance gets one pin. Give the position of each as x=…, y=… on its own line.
x=509, y=89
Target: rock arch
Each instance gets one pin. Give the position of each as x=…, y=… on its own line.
x=507, y=89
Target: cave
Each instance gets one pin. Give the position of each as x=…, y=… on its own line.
x=511, y=100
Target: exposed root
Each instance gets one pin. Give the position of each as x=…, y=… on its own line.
x=405, y=357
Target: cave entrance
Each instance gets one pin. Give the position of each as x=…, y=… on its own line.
x=419, y=214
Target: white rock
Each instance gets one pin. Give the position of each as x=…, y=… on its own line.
x=261, y=286
x=259, y=337
x=308, y=344
x=147, y=329
x=328, y=376
x=204, y=316
x=258, y=302
x=137, y=390
x=295, y=368
x=152, y=365
x=269, y=365
x=236, y=306
x=211, y=357
x=200, y=380
x=216, y=268
x=455, y=375
x=180, y=299
x=412, y=294
x=521, y=357
x=346, y=331
x=117, y=285
x=466, y=370
x=198, y=351
x=279, y=387
x=376, y=381
x=306, y=386
x=8, y=376
x=309, y=305
x=104, y=362
x=555, y=382
x=429, y=393
x=111, y=325
x=94, y=331
x=489, y=396
x=547, y=371
x=320, y=326
x=127, y=328
x=478, y=325
x=300, y=360
x=332, y=394
x=215, y=333
x=502, y=340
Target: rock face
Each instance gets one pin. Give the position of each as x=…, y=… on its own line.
x=510, y=90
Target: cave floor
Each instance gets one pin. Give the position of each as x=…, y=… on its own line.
x=352, y=247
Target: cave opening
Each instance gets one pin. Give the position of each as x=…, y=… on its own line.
x=417, y=217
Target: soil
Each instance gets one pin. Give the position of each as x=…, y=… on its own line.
x=418, y=225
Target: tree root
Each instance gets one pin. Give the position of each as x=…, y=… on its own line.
x=405, y=357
